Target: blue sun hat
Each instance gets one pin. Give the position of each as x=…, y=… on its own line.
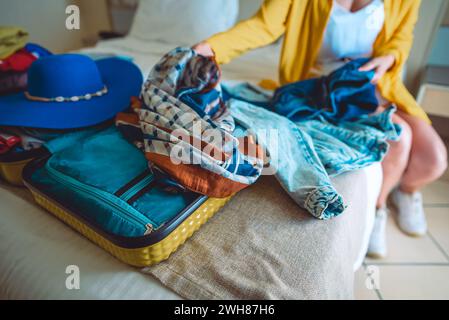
x=68, y=91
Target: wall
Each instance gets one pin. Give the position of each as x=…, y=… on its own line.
x=94, y=17
x=123, y=10
x=248, y=7
x=430, y=18
x=446, y=18
x=439, y=54
x=45, y=21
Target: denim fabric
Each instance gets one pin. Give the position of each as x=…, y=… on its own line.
x=345, y=94
x=198, y=101
x=306, y=154
x=249, y=93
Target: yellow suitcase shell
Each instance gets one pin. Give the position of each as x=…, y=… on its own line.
x=11, y=165
x=153, y=248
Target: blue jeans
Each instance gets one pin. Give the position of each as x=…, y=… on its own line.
x=345, y=94
x=306, y=154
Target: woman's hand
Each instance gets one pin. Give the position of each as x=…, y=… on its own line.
x=381, y=65
x=204, y=49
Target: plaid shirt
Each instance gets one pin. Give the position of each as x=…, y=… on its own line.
x=162, y=114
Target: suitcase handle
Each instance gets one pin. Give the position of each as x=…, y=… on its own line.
x=146, y=181
x=164, y=179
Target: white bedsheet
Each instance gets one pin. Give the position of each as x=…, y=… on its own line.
x=36, y=248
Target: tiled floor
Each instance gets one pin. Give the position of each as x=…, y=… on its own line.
x=416, y=268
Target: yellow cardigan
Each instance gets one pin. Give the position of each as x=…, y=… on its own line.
x=303, y=23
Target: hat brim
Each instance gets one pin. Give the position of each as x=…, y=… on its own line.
x=122, y=78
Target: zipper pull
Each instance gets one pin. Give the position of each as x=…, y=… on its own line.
x=149, y=229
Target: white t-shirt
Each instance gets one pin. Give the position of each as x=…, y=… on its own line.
x=349, y=35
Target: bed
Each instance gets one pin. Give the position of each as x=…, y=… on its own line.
x=36, y=249
x=308, y=258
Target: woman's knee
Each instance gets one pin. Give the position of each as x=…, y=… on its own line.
x=433, y=160
x=440, y=161
x=429, y=153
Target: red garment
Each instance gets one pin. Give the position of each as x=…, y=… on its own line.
x=12, y=82
x=7, y=142
x=21, y=60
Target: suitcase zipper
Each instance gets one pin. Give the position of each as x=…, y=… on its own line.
x=136, y=188
x=125, y=210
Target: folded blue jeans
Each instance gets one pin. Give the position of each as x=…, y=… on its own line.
x=304, y=155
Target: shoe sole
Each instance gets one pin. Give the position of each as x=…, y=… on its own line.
x=413, y=234
x=376, y=256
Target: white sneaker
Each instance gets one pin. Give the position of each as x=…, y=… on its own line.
x=377, y=248
x=411, y=217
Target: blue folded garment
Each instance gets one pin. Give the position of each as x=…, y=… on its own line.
x=345, y=94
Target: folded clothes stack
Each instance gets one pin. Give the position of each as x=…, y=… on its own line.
x=16, y=57
x=185, y=128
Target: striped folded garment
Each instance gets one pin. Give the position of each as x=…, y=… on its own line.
x=182, y=124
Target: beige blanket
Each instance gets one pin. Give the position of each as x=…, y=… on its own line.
x=263, y=246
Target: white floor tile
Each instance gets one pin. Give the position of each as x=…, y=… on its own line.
x=436, y=193
x=438, y=221
x=414, y=282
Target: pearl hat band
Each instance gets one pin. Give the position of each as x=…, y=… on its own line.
x=87, y=96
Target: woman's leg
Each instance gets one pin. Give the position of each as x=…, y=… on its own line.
x=393, y=167
x=395, y=163
x=418, y=158
x=427, y=162
x=428, y=156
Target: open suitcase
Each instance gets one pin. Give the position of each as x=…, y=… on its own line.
x=103, y=188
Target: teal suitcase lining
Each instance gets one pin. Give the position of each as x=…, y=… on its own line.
x=101, y=186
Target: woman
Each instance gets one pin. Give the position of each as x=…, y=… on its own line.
x=318, y=36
